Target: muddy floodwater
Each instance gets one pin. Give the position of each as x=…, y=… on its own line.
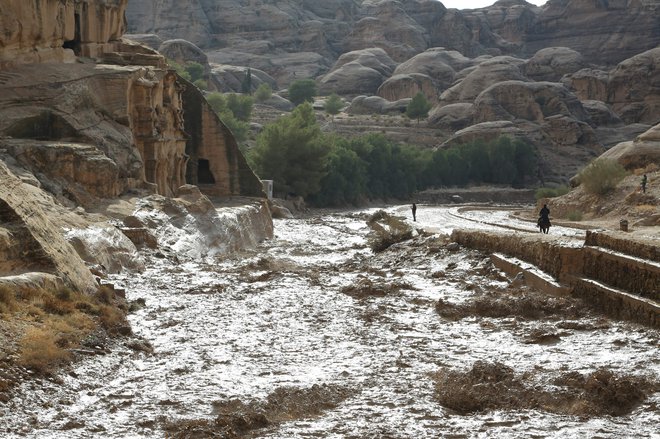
x=314, y=309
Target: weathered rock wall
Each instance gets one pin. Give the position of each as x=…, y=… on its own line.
x=216, y=164
x=621, y=285
x=100, y=130
x=623, y=245
x=56, y=30
x=28, y=240
x=544, y=253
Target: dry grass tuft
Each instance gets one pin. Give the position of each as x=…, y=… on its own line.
x=495, y=386
x=39, y=350
x=7, y=300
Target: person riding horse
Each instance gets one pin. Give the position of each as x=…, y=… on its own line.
x=544, y=219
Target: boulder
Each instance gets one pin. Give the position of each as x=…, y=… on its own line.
x=358, y=72
x=588, y=84
x=533, y=101
x=634, y=88
x=452, y=117
x=407, y=86
x=376, y=105
x=229, y=79
x=601, y=114
x=432, y=63
x=150, y=40
x=551, y=63
x=479, y=78
x=35, y=243
x=183, y=51
x=641, y=152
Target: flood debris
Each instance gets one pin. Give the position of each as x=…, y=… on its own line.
x=488, y=386
x=529, y=304
x=236, y=419
x=387, y=230
x=366, y=287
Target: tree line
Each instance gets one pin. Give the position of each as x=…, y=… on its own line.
x=329, y=170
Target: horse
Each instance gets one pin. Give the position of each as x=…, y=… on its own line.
x=544, y=224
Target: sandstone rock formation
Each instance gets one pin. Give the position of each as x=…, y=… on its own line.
x=634, y=88
x=407, y=86
x=454, y=117
x=215, y=163
x=76, y=136
x=375, y=104
x=182, y=51
x=29, y=242
x=551, y=63
x=487, y=73
x=358, y=72
x=603, y=32
x=229, y=79
x=644, y=150
x=56, y=31
x=388, y=26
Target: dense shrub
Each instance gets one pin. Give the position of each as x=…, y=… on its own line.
x=601, y=176
x=263, y=93
x=302, y=90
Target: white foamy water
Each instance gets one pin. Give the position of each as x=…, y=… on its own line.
x=248, y=324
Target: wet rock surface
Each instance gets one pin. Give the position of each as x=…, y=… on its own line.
x=268, y=343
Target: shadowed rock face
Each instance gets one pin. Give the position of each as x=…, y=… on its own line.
x=604, y=32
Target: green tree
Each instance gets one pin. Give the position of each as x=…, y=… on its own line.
x=217, y=101
x=195, y=70
x=219, y=104
x=418, y=108
x=240, y=105
x=346, y=178
x=201, y=84
x=293, y=152
x=503, y=161
x=263, y=93
x=333, y=105
x=526, y=160
x=180, y=70
x=302, y=90
x=246, y=84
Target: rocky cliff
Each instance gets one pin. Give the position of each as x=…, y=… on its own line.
x=87, y=118
x=604, y=32
x=573, y=77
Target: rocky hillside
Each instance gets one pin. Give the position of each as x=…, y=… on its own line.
x=572, y=77
x=86, y=119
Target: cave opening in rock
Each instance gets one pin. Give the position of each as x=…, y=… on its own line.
x=204, y=174
x=43, y=126
x=75, y=43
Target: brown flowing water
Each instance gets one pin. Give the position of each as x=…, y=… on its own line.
x=328, y=340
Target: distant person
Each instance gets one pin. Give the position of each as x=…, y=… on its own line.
x=544, y=219
x=414, y=212
x=644, y=180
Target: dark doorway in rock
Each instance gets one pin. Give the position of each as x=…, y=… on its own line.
x=75, y=43
x=43, y=126
x=204, y=174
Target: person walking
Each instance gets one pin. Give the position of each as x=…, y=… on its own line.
x=414, y=212
x=644, y=180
